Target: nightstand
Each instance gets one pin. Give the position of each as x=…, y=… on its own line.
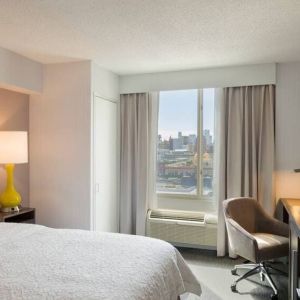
x=25, y=215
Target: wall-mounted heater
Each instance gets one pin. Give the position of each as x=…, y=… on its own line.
x=183, y=228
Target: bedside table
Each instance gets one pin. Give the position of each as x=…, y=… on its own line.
x=25, y=215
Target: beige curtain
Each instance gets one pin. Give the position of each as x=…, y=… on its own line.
x=139, y=118
x=245, y=151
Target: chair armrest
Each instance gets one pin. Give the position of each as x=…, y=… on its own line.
x=271, y=225
x=241, y=241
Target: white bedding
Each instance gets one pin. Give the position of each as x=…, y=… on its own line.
x=37, y=262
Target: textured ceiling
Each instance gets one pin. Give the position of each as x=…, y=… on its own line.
x=140, y=36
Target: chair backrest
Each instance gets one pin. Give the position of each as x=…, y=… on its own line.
x=244, y=211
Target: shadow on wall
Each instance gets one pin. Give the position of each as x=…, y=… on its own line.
x=14, y=116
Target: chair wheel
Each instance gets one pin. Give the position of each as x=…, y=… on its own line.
x=233, y=271
x=233, y=288
x=274, y=297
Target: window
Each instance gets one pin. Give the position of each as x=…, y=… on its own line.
x=185, y=143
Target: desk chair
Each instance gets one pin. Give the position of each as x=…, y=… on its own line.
x=256, y=236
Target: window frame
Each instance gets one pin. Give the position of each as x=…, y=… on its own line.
x=199, y=192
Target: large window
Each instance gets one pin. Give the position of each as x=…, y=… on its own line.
x=186, y=143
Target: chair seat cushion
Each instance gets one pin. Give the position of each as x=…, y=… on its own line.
x=271, y=246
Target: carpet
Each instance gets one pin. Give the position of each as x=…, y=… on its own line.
x=215, y=277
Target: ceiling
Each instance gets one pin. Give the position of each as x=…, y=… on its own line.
x=141, y=36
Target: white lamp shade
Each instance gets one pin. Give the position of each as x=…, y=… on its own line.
x=13, y=147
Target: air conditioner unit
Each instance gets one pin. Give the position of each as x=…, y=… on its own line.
x=183, y=228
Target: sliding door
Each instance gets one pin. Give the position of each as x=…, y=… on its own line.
x=105, y=204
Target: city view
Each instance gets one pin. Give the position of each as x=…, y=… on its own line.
x=177, y=154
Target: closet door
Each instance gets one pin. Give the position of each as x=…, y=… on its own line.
x=105, y=204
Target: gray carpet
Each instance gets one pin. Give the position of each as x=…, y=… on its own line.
x=215, y=278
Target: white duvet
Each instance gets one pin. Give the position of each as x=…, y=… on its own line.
x=39, y=263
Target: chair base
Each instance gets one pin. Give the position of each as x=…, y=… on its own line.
x=262, y=269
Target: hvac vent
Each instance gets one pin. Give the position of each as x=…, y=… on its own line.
x=183, y=228
x=177, y=215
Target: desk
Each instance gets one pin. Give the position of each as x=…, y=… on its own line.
x=291, y=214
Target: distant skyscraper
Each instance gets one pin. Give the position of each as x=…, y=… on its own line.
x=207, y=140
x=192, y=139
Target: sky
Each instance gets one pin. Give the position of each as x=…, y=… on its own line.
x=178, y=112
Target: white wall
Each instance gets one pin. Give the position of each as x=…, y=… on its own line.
x=60, y=141
x=19, y=73
x=61, y=130
x=202, y=78
x=288, y=130
x=105, y=83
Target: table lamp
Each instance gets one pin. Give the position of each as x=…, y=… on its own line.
x=13, y=150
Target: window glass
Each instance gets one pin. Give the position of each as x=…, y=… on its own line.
x=207, y=141
x=177, y=161
x=185, y=150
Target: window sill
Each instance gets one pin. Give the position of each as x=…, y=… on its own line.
x=185, y=197
x=193, y=204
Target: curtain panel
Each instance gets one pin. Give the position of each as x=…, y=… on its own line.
x=245, y=149
x=139, y=118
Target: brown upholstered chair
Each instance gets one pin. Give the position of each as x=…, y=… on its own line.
x=256, y=236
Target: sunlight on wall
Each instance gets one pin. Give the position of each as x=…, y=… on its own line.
x=287, y=184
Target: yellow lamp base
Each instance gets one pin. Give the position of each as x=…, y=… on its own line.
x=10, y=198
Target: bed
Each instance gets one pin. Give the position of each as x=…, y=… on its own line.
x=37, y=262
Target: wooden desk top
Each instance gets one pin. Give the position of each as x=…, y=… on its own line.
x=293, y=208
